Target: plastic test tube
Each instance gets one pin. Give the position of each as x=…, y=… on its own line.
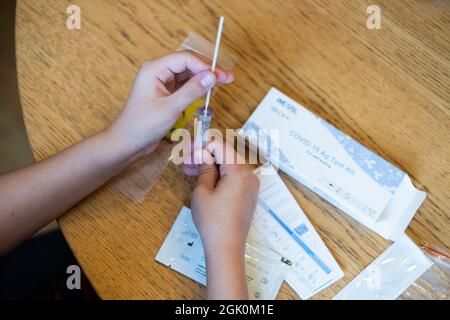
x=204, y=122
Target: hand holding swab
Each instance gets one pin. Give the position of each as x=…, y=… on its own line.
x=214, y=62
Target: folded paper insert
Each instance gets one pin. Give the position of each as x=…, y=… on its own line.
x=332, y=164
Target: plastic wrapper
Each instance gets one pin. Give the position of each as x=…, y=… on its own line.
x=390, y=274
x=138, y=179
x=200, y=45
x=265, y=272
x=434, y=284
x=183, y=252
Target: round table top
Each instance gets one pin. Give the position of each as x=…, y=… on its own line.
x=387, y=88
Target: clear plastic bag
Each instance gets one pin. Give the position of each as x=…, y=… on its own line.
x=183, y=252
x=389, y=275
x=138, y=179
x=265, y=272
x=200, y=45
x=434, y=284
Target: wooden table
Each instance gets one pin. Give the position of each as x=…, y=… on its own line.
x=387, y=88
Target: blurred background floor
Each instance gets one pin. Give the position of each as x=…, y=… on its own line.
x=37, y=268
x=15, y=150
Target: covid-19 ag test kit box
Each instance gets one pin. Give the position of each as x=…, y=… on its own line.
x=332, y=164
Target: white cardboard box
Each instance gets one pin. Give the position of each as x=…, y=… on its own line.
x=332, y=164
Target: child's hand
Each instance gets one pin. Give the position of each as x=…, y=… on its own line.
x=223, y=201
x=222, y=206
x=161, y=91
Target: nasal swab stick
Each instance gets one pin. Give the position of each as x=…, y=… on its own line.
x=216, y=53
x=205, y=115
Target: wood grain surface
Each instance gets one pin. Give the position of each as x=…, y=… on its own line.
x=387, y=88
